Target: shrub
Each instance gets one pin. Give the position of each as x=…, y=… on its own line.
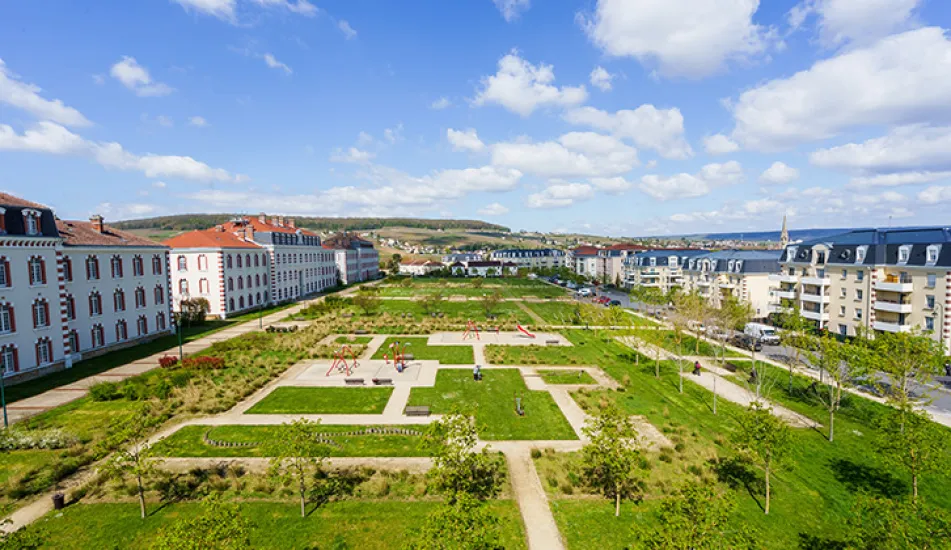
x=15, y=439
x=168, y=361
x=105, y=391
x=536, y=453
x=204, y=362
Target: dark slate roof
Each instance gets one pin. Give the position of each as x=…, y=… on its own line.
x=13, y=217
x=663, y=256
x=754, y=261
x=527, y=253
x=881, y=247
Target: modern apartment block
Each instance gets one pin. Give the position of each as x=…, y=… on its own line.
x=611, y=260
x=584, y=261
x=661, y=269
x=879, y=280
x=487, y=268
x=744, y=274
x=70, y=290
x=539, y=258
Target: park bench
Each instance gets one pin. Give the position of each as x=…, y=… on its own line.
x=408, y=356
x=417, y=410
x=353, y=381
x=730, y=367
x=552, y=342
x=361, y=331
x=382, y=381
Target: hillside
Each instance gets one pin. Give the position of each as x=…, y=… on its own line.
x=188, y=222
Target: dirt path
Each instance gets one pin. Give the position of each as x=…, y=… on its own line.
x=541, y=531
x=536, y=318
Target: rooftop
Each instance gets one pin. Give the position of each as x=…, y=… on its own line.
x=77, y=233
x=208, y=238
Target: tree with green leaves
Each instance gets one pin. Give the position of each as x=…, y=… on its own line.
x=219, y=526
x=367, y=301
x=611, y=455
x=886, y=524
x=135, y=459
x=464, y=523
x=297, y=455
x=697, y=516
x=457, y=468
x=26, y=538
x=689, y=308
x=432, y=303
x=842, y=362
x=912, y=442
x=764, y=438
x=731, y=314
x=907, y=360
x=491, y=301
x=794, y=333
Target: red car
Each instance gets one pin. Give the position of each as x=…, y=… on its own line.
x=603, y=300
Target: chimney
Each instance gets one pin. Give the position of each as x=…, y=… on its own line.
x=219, y=228
x=280, y=221
x=96, y=221
x=262, y=218
x=290, y=223
x=249, y=233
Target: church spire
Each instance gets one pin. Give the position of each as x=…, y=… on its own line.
x=784, y=235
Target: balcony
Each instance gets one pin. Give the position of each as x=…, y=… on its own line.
x=779, y=308
x=784, y=278
x=895, y=284
x=892, y=306
x=886, y=326
x=815, y=298
x=703, y=283
x=822, y=317
x=817, y=281
x=786, y=294
x=727, y=284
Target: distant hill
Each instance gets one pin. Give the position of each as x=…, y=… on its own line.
x=188, y=222
x=764, y=236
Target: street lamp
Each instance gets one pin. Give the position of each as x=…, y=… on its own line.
x=3, y=401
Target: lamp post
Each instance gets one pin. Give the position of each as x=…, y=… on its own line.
x=3, y=401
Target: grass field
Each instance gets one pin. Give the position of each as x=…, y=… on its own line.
x=566, y=313
x=493, y=402
x=310, y=400
x=362, y=340
x=459, y=311
x=471, y=291
x=363, y=524
x=446, y=355
x=566, y=376
x=667, y=340
x=189, y=442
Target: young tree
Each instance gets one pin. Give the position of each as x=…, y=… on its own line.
x=135, y=459
x=914, y=443
x=688, y=309
x=886, y=524
x=465, y=523
x=764, y=438
x=731, y=314
x=490, y=302
x=297, y=454
x=695, y=310
x=841, y=361
x=698, y=516
x=907, y=360
x=794, y=334
x=457, y=468
x=611, y=456
x=432, y=303
x=219, y=526
x=367, y=301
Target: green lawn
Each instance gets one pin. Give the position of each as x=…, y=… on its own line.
x=311, y=400
x=189, y=441
x=470, y=291
x=446, y=355
x=566, y=376
x=459, y=311
x=363, y=524
x=667, y=340
x=362, y=340
x=492, y=401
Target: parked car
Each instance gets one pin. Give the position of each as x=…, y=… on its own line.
x=585, y=292
x=746, y=341
x=764, y=333
x=615, y=303
x=603, y=300
x=571, y=285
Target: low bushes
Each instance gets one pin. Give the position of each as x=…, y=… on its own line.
x=15, y=439
x=204, y=362
x=168, y=361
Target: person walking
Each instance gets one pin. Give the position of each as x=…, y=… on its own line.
x=696, y=368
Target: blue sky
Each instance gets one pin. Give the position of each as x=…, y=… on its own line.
x=618, y=117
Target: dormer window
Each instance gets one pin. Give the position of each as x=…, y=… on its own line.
x=653, y=262
x=739, y=266
x=730, y=265
x=932, y=253
x=904, y=252
x=31, y=222
x=860, y=253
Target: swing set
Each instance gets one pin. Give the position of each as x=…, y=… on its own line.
x=472, y=331
x=398, y=352
x=342, y=363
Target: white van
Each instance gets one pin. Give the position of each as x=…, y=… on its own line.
x=585, y=292
x=764, y=333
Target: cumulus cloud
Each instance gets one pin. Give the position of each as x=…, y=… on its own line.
x=912, y=147
x=352, y=155
x=683, y=185
x=719, y=144
x=560, y=195
x=512, y=9
x=465, y=140
x=613, y=186
x=576, y=154
x=494, y=209
x=876, y=85
x=522, y=87
x=25, y=96
x=854, y=21
x=601, y=79
x=779, y=173
x=198, y=121
x=680, y=38
x=222, y=9
x=661, y=130
x=935, y=194
x=137, y=78
x=300, y=7
x=897, y=179
x=440, y=104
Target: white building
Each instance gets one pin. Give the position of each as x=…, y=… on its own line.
x=584, y=261
x=484, y=269
x=419, y=268
x=661, y=269
x=356, y=259
x=541, y=258
x=744, y=274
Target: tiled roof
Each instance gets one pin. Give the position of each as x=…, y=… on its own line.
x=585, y=251
x=208, y=238
x=77, y=233
x=266, y=227
x=345, y=240
x=626, y=246
x=7, y=199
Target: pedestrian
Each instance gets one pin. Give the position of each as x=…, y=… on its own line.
x=947, y=368
x=477, y=373
x=696, y=368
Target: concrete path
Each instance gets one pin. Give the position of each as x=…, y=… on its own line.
x=744, y=397
x=541, y=531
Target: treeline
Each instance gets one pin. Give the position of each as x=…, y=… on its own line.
x=187, y=222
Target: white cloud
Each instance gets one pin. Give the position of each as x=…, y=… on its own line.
x=99, y=79
x=44, y=137
x=273, y=63
x=757, y=208
x=364, y=138
x=878, y=85
x=222, y=9
x=346, y=29
x=159, y=184
x=300, y=7
x=779, y=173
x=719, y=144
x=441, y=103
x=576, y=154
x=601, y=78
x=935, y=194
x=198, y=121
x=560, y=195
x=164, y=120
x=494, y=209
x=614, y=186
x=136, y=78
x=26, y=96
x=661, y=130
x=913, y=147
x=466, y=140
x=512, y=9
x=683, y=185
x=689, y=38
x=352, y=156
x=522, y=87
x=393, y=135
x=124, y=211
x=855, y=21
x=897, y=179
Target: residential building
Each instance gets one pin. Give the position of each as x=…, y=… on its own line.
x=418, y=268
x=483, y=269
x=356, y=259
x=610, y=268
x=539, y=258
x=872, y=280
x=661, y=269
x=744, y=274
x=463, y=257
x=70, y=290
x=584, y=261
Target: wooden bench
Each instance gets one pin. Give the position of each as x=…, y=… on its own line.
x=730, y=367
x=353, y=381
x=552, y=342
x=361, y=331
x=419, y=410
x=382, y=381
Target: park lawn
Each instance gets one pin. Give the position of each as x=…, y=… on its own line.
x=492, y=401
x=316, y=400
x=667, y=340
x=362, y=340
x=556, y=313
x=584, y=351
x=459, y=311
x=189, y=442
x=363, y=524
x=566, y=376
x=446, y=355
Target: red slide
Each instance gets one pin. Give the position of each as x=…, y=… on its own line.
x=523, y=331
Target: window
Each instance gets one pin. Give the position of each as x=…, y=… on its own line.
x=904, y=252
x=241, y=302
x=183, y=287
x=122, y=331
x=7, y=320
x=41, y=314
x=73, y=341
x=932, y=280
x=182, y=263
x=138, y=266
x=247, y=260
x=858, y=294
x=140, y=297
x=116, y=264
x=70, y=308
x=845, y=273
x=44, y=351
x=32, y=222
x=37, y=269
x=156, y=264
x=240, y=283
x=230, y=284
x=142, y=326
x=203, y=286
x=843, y=292
x=68, y=269
x=841, y=311
x=239, y=262
x=230, y=304
x=202, y=262
x=92, y=268
x=929, y=324
x=8, y=359
x=159, y=293
x=858, y=314
x=248, y=283
x=257, y=279
x=118, y=300
x=860, y=276
x=843, y=330
x=229, y=261
x=5, y=281
x=256, y=260
x=860, y=253
x=98, y=336
x=929, y=302
x=160, y=321
x=932, y=253
x=95, y=304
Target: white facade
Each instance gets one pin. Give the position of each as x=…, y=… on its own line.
x=348, y=265
x=418, y=268
x=205, y=273
x=543, y=258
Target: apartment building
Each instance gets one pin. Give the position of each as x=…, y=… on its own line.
x=418, y=268
x=463, y=257
x=610, y=268
x=744, y=274
x=356, y=259
x=70, y=290
x=661, y=269
x=584, y=261
x=487, y=268
x=526, y=258
x=872, y=280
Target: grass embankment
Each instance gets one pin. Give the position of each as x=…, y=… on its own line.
x=493, y=402
x=689, y=345
x=566, y=376
x=311, y=400
x=569, y=313
x=446, y=355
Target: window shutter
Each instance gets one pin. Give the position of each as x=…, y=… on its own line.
x=13, y=322
x=46, y=310
x=35, y=319
x=16, y=358
x=88, y=274
x=6, y=271
x=43, y=271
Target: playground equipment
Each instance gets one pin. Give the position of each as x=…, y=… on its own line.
x=471, y=331
x=518, y=405
x=341, y=363
x=523, y=331
x=398, y=352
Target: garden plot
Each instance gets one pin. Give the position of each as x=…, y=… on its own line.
x=499, y=338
